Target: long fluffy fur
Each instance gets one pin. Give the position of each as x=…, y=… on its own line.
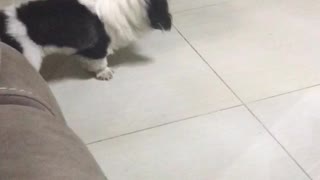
x=124, y=20
x=90, y=29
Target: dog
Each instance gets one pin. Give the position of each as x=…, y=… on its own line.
x=89, y=29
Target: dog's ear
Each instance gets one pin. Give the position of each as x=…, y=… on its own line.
x=159, y=14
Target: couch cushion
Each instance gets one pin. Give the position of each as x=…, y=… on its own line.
x=35, y=142
x=35, y=146
x=18, y=79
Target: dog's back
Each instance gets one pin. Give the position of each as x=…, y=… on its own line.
x=59, y=23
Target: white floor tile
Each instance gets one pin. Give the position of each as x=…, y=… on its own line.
x=260, y=48
x=294, y=119
x=183, y=5
x=228, y=145
x=4, y=3
x=164, y=82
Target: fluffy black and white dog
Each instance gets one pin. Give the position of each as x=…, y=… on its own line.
x=90, y=29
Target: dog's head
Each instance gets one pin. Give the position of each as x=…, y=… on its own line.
x=127, y=20
x=159, y=15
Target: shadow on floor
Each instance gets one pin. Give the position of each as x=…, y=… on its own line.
x=128, y=57
x=59, y=67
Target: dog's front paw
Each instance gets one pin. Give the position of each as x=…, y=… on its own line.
x=105, y=74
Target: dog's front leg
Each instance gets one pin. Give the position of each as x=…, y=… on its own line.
x=99, y=67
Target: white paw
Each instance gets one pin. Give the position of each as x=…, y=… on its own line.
x=105, y=74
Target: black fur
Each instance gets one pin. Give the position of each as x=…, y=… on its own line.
x=65, y=23
x=158, y=12
x=5, y=37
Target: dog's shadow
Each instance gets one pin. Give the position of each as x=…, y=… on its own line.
x=58, y=67
x=128, y=57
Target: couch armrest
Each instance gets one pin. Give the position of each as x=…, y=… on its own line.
x=35, y=142
x=18, y=78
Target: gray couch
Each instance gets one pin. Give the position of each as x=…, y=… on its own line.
x=35, y=142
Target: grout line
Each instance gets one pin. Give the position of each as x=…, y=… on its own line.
x=282, y=94
x=165, y=124
x=200, y=7
x=246, y=106
x=206, y=62
x=282, y=146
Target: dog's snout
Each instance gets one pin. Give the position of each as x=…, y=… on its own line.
x=159, y=15
x=164, y=24
x=168, y=23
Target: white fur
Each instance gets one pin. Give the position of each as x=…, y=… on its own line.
x=33, y=52
x=17, y=29
x=93, y=65
x=105, y=74
x=124, y=20
x=100, y=67
x=59, y=50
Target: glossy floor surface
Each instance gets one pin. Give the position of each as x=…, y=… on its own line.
x=231, y=93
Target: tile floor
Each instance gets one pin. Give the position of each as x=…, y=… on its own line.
x=232, y=93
